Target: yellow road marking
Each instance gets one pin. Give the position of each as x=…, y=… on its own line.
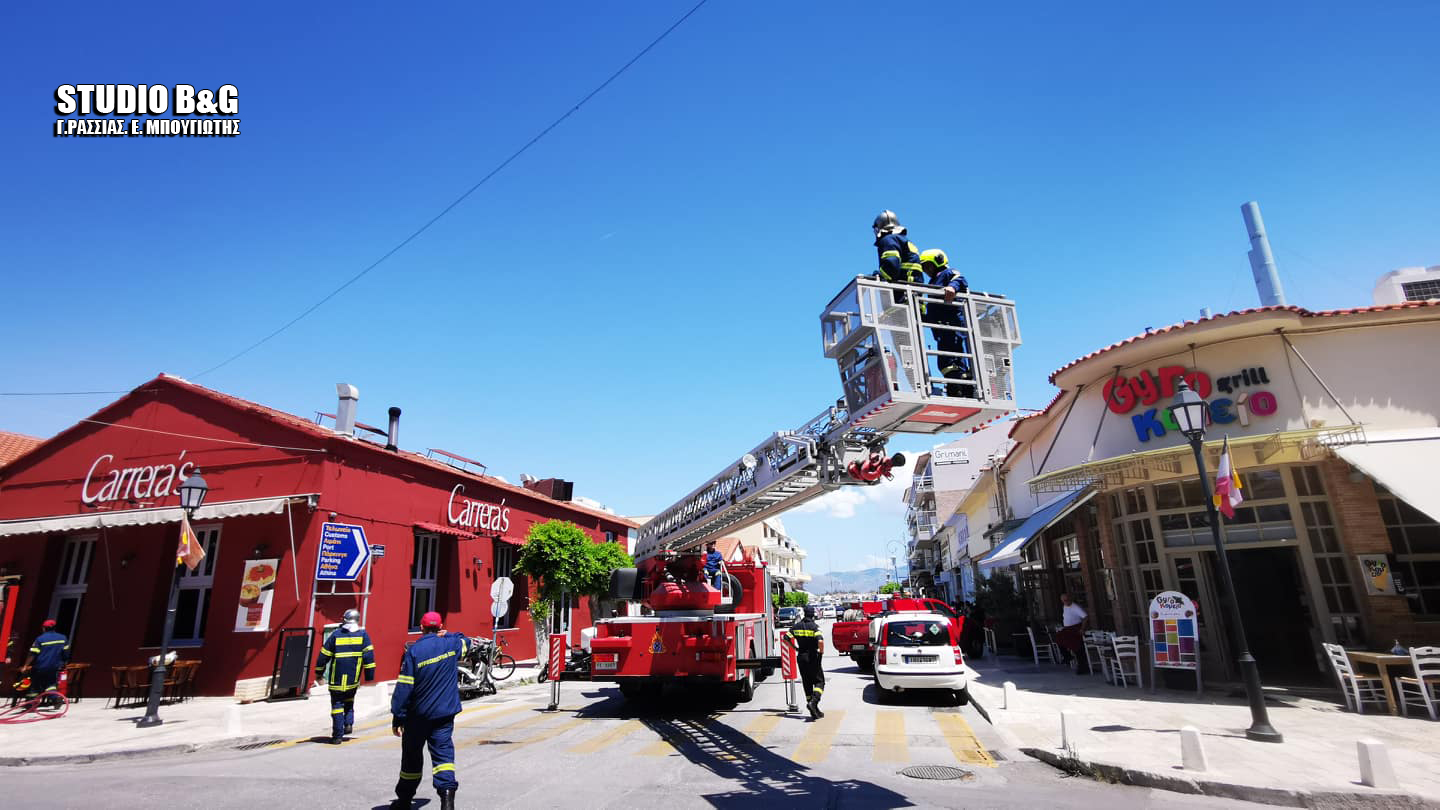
x=962, y=741
x=817, y=741
x=609, y=738
x=665, y=746
x=890, y=744
x=550, y=733
x=761, y=728
x=524, y=722
x=385, y=724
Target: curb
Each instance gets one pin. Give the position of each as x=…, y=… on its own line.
x=174, y=749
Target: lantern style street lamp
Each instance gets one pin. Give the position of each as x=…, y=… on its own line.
x=1189, y=413
x=192, y=494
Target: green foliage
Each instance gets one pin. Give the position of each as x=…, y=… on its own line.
x=998, y=596
x=890, y=587
x=796, y=599
x=604, y=557
x=557, y=556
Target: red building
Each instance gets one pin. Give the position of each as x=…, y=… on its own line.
x=89, y=523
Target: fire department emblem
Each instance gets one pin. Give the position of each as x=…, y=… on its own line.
x=657, y=645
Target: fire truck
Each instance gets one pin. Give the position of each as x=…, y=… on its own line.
x=892, y=382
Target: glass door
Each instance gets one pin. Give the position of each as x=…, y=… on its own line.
x=1194, y=577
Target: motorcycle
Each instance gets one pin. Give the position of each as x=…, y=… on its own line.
x=473, y=670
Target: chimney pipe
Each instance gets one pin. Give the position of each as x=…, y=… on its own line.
x=392, y=442
x=1204, y=312
x=1262, y=262
x=345, y=414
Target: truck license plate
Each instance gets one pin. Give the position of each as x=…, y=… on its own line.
x=607, y=664
x=857, y=646
x=921, y=659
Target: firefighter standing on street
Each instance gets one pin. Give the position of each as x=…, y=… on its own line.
x=809, y=648
x=48, y=655
x=346, y=654
x=949, y=314
x=423, y=709
x=899, y=260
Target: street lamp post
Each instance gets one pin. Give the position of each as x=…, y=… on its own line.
x=192, y=494
x=1189, y=413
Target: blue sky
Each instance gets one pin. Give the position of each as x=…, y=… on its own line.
x=633, y=303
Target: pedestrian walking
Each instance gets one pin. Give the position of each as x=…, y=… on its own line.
x=423, y=709
x=48, y=655
x=809, y=649
x=343, y=658
x=1071, y=635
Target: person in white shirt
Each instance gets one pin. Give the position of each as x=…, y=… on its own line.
x=1071, y=638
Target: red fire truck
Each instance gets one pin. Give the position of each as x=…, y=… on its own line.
x=690, y=631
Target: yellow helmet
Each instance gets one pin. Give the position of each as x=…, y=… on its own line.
x=935, y=258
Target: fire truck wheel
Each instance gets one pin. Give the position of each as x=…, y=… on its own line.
x=630, y=689
x=745, y=688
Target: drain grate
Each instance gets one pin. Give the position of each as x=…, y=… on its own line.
x=936, y=772
x=255, y=746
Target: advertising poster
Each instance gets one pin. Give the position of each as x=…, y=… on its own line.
x=257, y=590
x=1174, y=631
x=1375, y=569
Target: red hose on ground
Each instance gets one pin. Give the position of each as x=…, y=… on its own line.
x=29, y=710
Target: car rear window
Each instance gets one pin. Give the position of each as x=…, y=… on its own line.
x=917, y=634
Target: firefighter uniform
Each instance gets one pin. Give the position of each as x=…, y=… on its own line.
x=899, y=260
x=807, y=657
x=49, y=653
x=937, y=267
x=346, y=655
x=426, y=700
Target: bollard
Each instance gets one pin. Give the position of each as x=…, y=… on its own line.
x=1069, y=730
x=1375, y=769
x=233, y=726
x=1192, y=752
x=1009, y=688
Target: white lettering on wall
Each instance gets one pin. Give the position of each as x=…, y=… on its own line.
x=134, y=483
x=477, y=514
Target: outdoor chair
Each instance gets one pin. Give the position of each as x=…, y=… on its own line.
x=120, y=682
x=1044, y=650
x=192, y=669
x=138, y=678
x=1126, y=663
x=75, y=675
x=1424, y=688
x=1357, y=689
x=1095, y=642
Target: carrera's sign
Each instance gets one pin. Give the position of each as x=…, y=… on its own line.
x=1123, y=394
x=477, y=514
x=102, y=485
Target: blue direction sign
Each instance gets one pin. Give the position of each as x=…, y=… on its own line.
x=343, y=552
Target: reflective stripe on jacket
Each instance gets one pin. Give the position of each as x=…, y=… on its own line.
x=51, y=651
x=344, y=657
x=899, y=260
x=428, y=686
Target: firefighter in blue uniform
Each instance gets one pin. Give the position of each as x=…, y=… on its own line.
x=939, y=273
x=899, y=260
x=809, y=650
x=48, y=655
x=345, y=656
x=423, y=709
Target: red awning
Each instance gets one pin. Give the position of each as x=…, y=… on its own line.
x=450, y=531
x=514, y=541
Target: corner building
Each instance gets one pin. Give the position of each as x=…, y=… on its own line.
x=89, y=526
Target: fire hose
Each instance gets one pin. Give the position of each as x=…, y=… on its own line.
x=33, y=709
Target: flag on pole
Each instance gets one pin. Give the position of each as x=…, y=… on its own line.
x=1227, y=484
x=190, y=552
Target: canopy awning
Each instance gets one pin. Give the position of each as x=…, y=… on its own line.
x=448, y=531
x=145, y=517
x=1009, y=550
x=1404, y=462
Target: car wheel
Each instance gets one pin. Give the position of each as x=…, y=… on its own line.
x=745, y=688
x=961, y=696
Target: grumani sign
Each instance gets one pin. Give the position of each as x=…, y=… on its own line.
x=104, y=484
x=474, y=514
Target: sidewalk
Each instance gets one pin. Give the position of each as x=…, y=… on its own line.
x=91, y=732
x=1133, y=736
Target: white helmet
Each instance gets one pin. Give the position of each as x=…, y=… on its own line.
x=352, y=616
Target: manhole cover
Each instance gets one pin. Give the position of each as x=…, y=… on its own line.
x=936, y=772
x=255, y=746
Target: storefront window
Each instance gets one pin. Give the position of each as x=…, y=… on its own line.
x=192, y=606
x=71, y=584
x=423, y=577
x=1415, y=539
x=504, y=567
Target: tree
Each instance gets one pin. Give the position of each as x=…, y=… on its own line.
x=890, y=587
x=791, y=599
x=564, y=561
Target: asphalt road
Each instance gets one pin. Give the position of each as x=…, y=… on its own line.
x=599, y=751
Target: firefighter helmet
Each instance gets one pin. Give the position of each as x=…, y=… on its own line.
x=887, y=222
x=934, y=260
x=352, y=616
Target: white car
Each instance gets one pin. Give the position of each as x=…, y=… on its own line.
x=827, y=611
x=917, y=651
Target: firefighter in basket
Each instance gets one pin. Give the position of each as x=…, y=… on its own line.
x=343, y=658
x=949, y=314
x=423, y=709
x=809, y=649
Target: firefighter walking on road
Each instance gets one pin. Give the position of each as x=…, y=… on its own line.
x=48, y=655
x=423, y=709
x=809, y=649
x=345, y=656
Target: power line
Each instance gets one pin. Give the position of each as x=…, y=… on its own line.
x=447, y=209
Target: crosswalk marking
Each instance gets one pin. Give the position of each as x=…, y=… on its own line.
x=549, y=733
x=890, y=744
x=668, y=743
x=817, y=741
x=610, y=737
x=962, y=740
x=761, y=727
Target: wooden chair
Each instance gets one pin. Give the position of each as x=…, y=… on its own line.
x=1357, y=689
x=192, y=669
x=1126, y=663
x=1424, y=688
x=1095, y=642
x=139, y=679
x=75, y=675
x=1044, y=648
x=120, y=683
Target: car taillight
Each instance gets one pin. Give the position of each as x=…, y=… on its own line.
x=958, y=659
x=882, y=655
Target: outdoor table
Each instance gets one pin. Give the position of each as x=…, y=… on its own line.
x=1383, y=662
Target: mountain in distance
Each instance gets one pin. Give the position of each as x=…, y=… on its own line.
x=863, y=581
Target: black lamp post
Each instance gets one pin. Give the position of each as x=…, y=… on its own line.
x=192, y=494
x=1189, y=413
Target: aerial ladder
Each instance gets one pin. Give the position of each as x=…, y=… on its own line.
x=895, y=379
